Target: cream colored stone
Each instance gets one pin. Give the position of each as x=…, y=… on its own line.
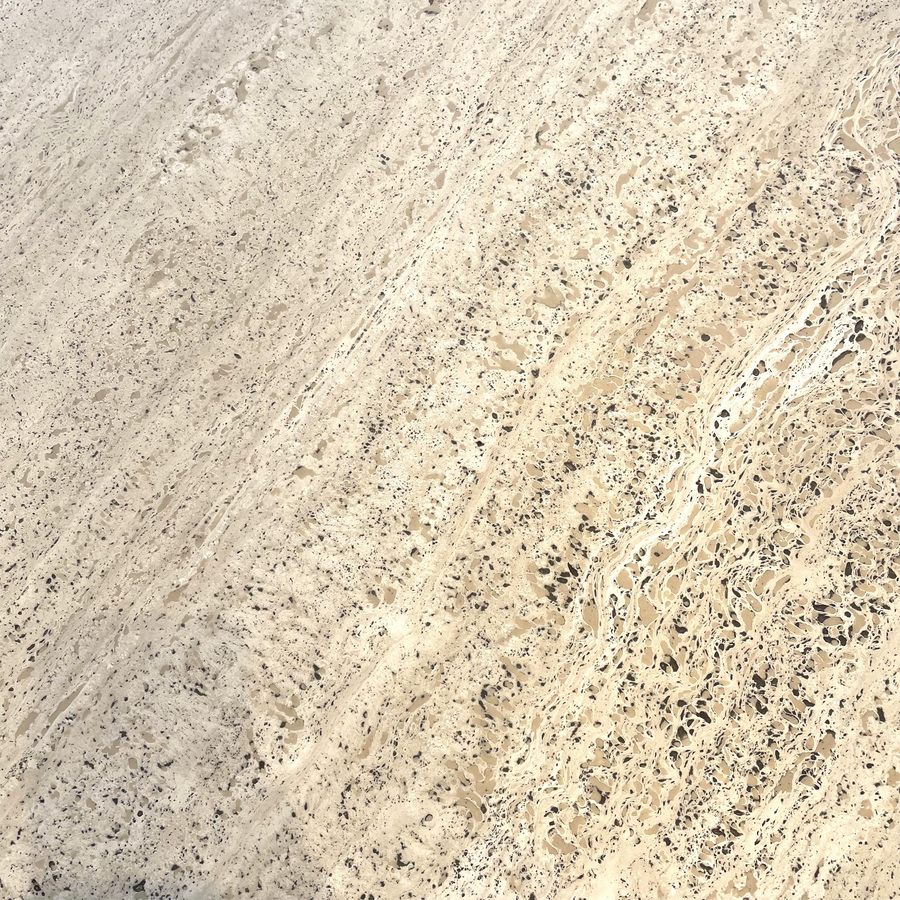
x=450, y=450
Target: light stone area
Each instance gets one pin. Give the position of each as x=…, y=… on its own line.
x=450, y=450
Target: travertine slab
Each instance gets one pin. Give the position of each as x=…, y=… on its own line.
x=451, y=450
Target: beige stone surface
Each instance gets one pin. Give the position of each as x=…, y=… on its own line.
x=450, y=451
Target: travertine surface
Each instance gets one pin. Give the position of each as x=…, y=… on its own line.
x=450, y=450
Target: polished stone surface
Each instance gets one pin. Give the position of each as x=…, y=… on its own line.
x=450, y=450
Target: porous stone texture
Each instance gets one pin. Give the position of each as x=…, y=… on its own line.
x=450, y=450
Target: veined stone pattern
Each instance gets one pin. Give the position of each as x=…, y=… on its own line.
x=450, y=450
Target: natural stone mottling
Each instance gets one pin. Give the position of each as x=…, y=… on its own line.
x=450, y=449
